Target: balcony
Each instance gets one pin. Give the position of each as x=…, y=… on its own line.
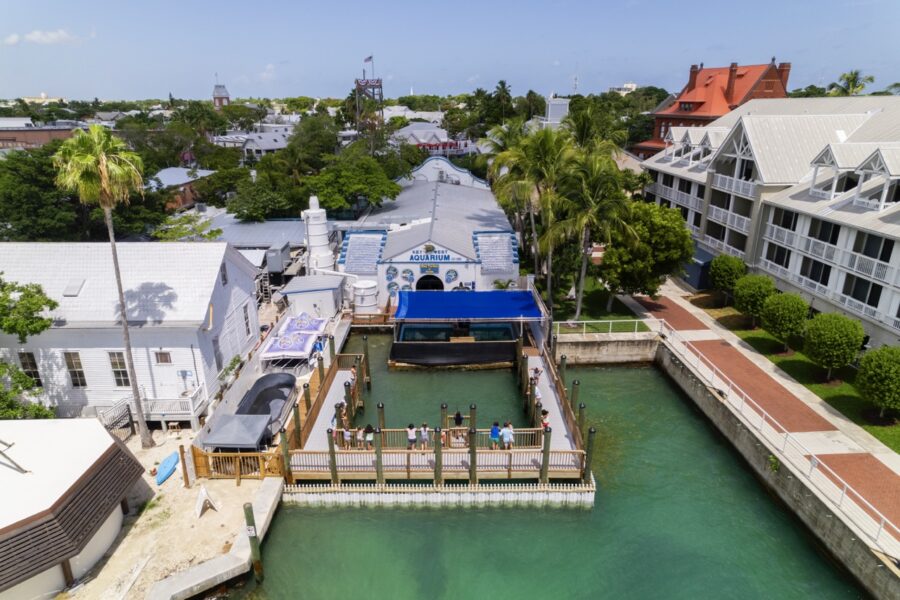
x=819, y=249
x=820, y=193
x=860, y=308
x=871, y=204
x=183, y=408
x=662, y=191
x=721, y=245
x=743, y=188
x=733, y=220
x=780, y=235
x=689, y=201
x=868, y=266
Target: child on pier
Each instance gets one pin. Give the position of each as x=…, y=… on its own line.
x=423, y=436
x=411, y=437
x=495, y=436
x=370, y=436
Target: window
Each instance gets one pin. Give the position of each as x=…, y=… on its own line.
x=650, y=197
x=815, y=271
x=686, y=106
x=701, y=190
x=779, y=255
x=163, y=358
x=784, y=218
x=119, y=369
x=30, y=368
x=862, y=289
x=223, y=274
x=668, y=181
x=247, y=319
x=873, y=246
x=714, y=230
x=76, y=371
x=824, y=231
x=698, y=218
x=217, y=354
x=684, y=185
x=685, y=213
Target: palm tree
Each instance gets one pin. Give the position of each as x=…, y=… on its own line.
x=851, y=83
x=503, y=98
x=596, y=207
x=102, y=170
x=538, y=164
x=589, y=125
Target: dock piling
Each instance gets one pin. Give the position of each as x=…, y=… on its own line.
x=444, y=422
x=529, y=401
x=366, y=360
x=573, y=399
x=438, y=457
x=286, y=458
x=379, y=462
x=380, y=408
x=536, y=417
x=581, y=407
x=473, y=457
x=332, y=458
x=320, y=366
x=553, y=342
x=348, y=396
x=562, y=369
x=472, y=415
x=307, y=401
x=296, y=412
x=255, y=555
x=357, y=362
x=545, y=456
x=338, y=420
x=588, y=456
x=331, y=349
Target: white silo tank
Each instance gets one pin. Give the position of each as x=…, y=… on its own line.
x=320, y=254
x=365, y=297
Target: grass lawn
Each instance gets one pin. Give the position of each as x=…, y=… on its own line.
x=843, y=395
x=593, y=309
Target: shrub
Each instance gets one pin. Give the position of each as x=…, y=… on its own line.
x=784, y=316
x=724, y=272
x=750, y=294
x=879, y=377
x=832, y=340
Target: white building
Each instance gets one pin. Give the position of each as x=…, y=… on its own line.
x=191, y=308
x=436, y=117
x=259, y=144
x=432, y=138
x=444, y=231
x=67, y=483
x=624, y=89
x=804, y=190
x=557, y=110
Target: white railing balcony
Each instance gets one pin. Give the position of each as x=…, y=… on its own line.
x=780, y=235
x=871, y=204
x=726, y=217
x=776, y=269
x=820, y=193
x=685, y=199
x=721, y=245
x=188, y=405
x=814, y=286
x=868, y=266
x=819, y=249
x=859, y=307
x=662, y=191
x=738, y=186
x=895, y=322
x=696, y=230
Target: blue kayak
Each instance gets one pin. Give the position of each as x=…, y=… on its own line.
x=166, y=468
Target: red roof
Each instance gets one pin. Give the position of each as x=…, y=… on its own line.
x=709, y=92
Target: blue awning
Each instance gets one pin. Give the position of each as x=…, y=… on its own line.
x=494, y=305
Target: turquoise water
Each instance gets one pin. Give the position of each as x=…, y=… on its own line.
x=677, y=515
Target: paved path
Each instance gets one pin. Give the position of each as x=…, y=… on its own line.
x=863, y=462
x=561, y=437
x=318, y=437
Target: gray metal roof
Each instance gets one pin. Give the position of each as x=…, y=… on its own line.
x=312, y=283
x=176, y=176
x=267, y=140
x=166, y=284
x=261, y=235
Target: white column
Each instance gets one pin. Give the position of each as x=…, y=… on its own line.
x=884, y=192
x=834, y=180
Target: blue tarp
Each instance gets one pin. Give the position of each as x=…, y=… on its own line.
x=494, y=305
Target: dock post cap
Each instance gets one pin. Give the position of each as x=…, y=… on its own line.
x=443, y=405
x=377, y=430
x=330, y=431
x=576, y=382
x=582, y=405
x=380, y=405
x=472, y=430
x=437, y=429
x=346, y=384
x=306, y=385
x=472, y=406
x=592, y=430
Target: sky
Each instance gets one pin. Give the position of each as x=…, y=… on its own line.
x=81, y=49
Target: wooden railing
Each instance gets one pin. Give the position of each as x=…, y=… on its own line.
x=236, y=465
x=568, y=413
x=454, y=437
x=418, y=464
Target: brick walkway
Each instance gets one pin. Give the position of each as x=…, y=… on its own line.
x=672, y=313
x=872, y=475
x=782, y=405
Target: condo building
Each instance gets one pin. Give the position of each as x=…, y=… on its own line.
x=804, y=190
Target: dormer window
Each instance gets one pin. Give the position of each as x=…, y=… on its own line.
x=687, y=106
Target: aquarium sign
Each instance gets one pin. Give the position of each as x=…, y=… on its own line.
x=429, y=269
x=429, y=254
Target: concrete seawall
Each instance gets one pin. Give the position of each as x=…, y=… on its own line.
x=879, y=577
x=607, y=348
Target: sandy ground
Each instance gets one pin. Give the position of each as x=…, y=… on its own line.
x=166, y=536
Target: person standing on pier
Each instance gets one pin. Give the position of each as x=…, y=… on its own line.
x=495, y=436
x=423, y=436
x=411, y=437
x=370, y=436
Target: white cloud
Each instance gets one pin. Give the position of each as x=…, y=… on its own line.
x=60, y=36
x=473, y=79
x=556, y=63
x=11, y=40
x=267, y=74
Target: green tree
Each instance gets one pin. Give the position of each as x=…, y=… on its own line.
x=595, y=207
x=185, y=227
x=664, y=246
x=851, y=83
x=22, y=313
x=879, y=377
x=531, y=105
x=784, y=316
x=314, y=139
x=832, y=340
x=255, y=202
x=349, y=178
x=214, y=189
x=724, y=272
x=750, y=294
x=299, y=104
x=101, y=169
x=241, y=117
x=590, y=125
x=810, y=91
x=201, y=117
x=401, y=160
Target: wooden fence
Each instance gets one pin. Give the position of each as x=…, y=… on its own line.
x=237, y=465
x=453, y=438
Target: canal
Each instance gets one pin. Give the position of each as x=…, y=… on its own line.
x=677, y=515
